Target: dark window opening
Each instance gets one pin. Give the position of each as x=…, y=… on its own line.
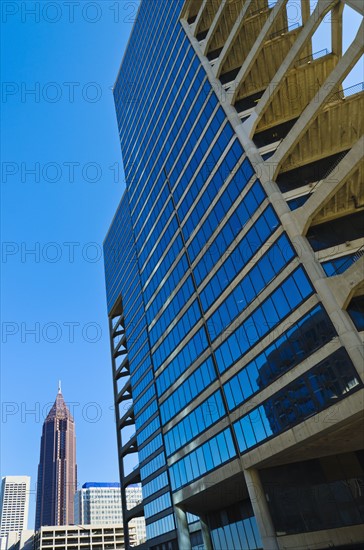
x=356, y=312
x=229, y=76
x=335, y=232
x=309, y=173
x=316, y=494
x=261, y=139
x=202, y=35
x=248, y=102
x=214, y=54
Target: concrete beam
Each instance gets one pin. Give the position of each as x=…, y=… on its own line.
x=197, y=21
x=342, y=69
x=357, y=5
x=261, y=510
x=257, y=47
x=305, y=11
x=322, y=8
x=206, y=537
x=214, y=24
x=337, y=29
x=328, y=187
x=344, y=285
x=183, y=533
x=231, y=39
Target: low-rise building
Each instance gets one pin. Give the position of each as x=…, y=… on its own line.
x=80, y=537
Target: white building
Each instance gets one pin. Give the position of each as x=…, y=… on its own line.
x=14, y=506
x=100, y=503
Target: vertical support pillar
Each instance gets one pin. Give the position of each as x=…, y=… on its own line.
x=337, y=29
x=183, y=534
x=205, y=530
x=261, y=510
x=305, y=11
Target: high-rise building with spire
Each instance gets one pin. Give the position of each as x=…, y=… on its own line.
x=57, y=471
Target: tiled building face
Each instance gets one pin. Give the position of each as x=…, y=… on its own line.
x=234, y=351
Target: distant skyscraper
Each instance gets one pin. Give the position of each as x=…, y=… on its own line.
x=57, y=478
x=100, y=503
x=14, y=505
x=97, y=503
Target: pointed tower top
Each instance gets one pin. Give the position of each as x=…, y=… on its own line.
x=59, y=409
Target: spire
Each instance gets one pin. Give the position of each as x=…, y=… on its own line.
x=59, y=409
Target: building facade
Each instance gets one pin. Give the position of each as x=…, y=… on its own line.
x=97, y=503
x=57, y=470
x=14, y=507
x=80, y=537
x=234, y=276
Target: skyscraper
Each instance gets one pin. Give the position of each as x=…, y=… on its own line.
x=57, y=471
x=100, y=503
x=14, y=505
x=234, y=275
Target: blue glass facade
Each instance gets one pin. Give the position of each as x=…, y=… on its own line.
x=216, y=305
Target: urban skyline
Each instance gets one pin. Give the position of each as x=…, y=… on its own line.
x=38, y=213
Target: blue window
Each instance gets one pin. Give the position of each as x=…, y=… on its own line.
x=188, y=391
x=216, y=450
x=296, y=288
x=182, y=361
x=160, y=527
x=253, y=283
x=197, y=421
x=155, y=485
x=322, y=386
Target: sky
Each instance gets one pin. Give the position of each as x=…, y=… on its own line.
x=62, y=179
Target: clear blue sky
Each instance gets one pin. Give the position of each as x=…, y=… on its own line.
x=70, y=57
x=61, y=284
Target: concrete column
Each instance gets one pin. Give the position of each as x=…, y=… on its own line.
x=257, y=47
x=214, y=24
x=337, y=29
x=198, y=18
x=261, y=510
x=342, y=69
x=313, y=22
x=329, y=186
x=206, y=538
x=183, y=534
x=231, y=39
x=305, y=11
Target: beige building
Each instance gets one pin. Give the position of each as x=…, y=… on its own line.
x=80, y=537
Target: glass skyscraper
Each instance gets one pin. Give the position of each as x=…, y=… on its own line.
x=100, y=503
x=234, y=277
